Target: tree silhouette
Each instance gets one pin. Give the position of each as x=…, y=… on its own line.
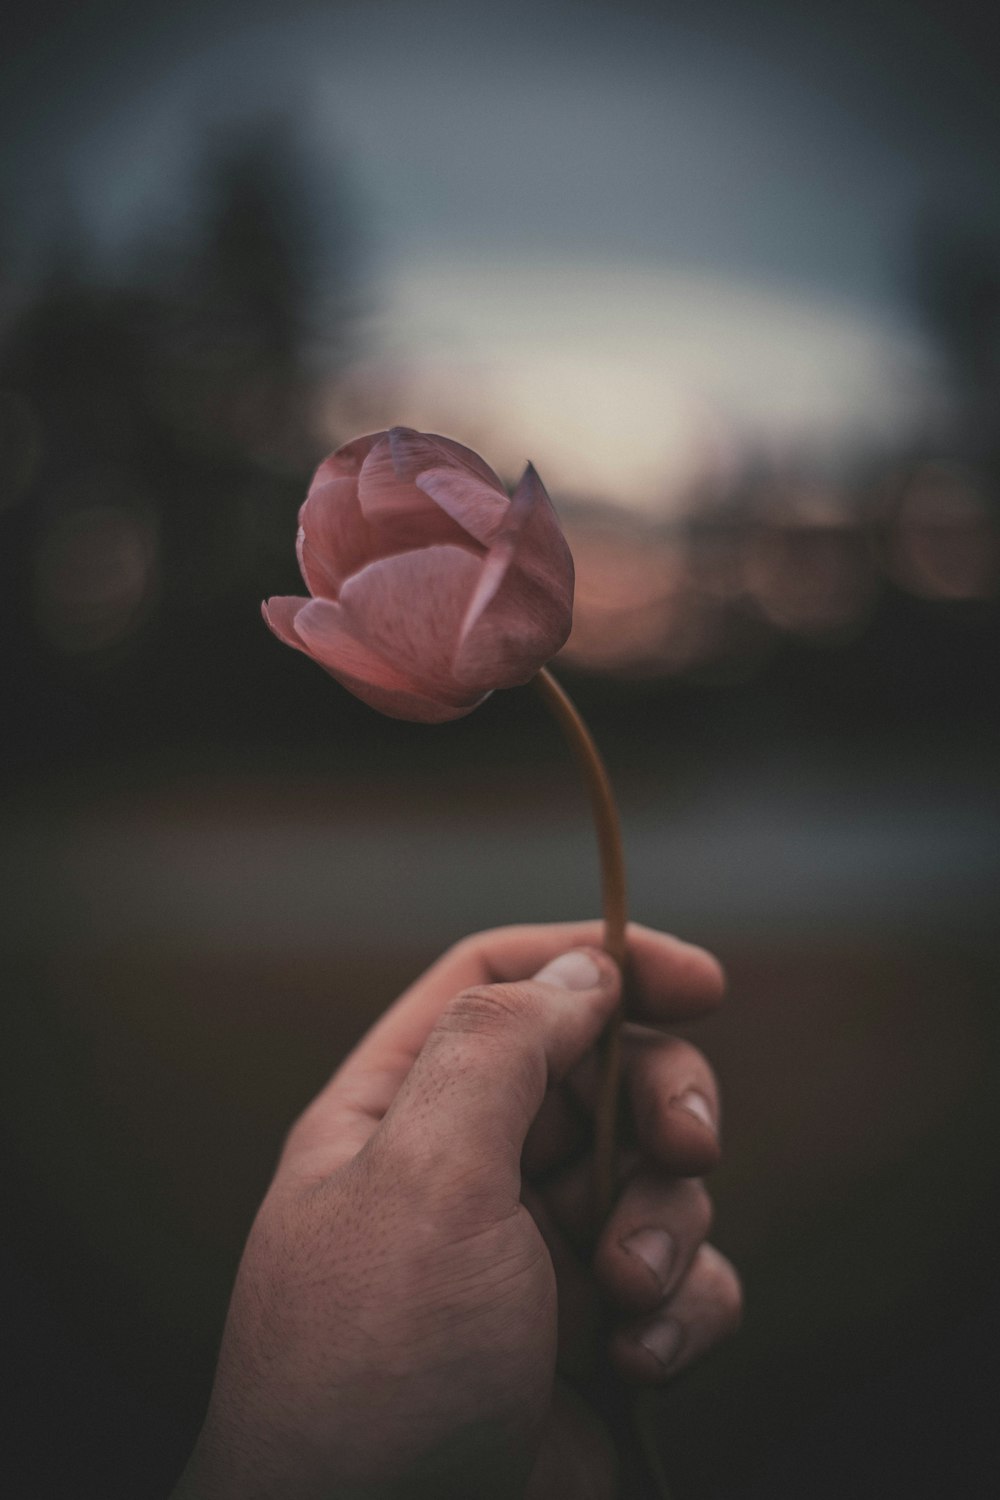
x=958, y=291
x=173, y=406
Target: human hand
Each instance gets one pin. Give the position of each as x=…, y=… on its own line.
x=424, y=1291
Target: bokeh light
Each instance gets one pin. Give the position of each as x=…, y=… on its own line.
x=945, y=541
x=809, y=565
x=95, y=577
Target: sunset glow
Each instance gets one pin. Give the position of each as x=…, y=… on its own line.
x=628, y=384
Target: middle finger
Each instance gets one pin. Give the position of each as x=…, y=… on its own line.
x=673, y=1098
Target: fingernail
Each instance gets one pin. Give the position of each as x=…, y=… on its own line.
x=696, y=1104
x=655, y=1249
x=662, y=1339
x=571, y=971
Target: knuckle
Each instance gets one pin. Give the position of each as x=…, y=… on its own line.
x=490, y=1008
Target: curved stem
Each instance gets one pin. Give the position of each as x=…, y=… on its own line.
x=609, y=838
x=613, y=892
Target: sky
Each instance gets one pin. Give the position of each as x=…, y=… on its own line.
x=650, y=229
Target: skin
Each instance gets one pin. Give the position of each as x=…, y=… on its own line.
x=424, y=1297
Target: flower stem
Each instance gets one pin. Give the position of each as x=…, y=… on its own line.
x=609, y=840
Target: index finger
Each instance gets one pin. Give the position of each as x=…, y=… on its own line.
x=667, y=980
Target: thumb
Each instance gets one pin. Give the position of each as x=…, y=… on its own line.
x=480, y=1078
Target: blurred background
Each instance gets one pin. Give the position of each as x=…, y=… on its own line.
x=730, y=276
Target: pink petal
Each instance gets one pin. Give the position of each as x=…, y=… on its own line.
x=409, y=609
x=391, y=636
x=396, y=506
x=477, y=507
x=522, y=608
x=408, y=706
x=280, y=613
x=349, y=457
x=334, y=538
x=541, y=551
x=330, y=639
x=415, y=452
x=385, y=690
x=407, y=468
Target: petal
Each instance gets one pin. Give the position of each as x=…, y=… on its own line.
x=349, y=457
x=332, y=643
x=397, y=507
x=415, y=452
x=409, y=610
x=334, y=538
x=541, y=551
x=336, y=639
x=408, y=706
x=406, y=470
x=280, y=613
x=522, y=609
x=477, y=507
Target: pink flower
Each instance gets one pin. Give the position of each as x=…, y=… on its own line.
x=430, y=587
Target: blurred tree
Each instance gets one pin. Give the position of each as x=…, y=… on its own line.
x=251, y=310
x=155, y=441
x=957, y=279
